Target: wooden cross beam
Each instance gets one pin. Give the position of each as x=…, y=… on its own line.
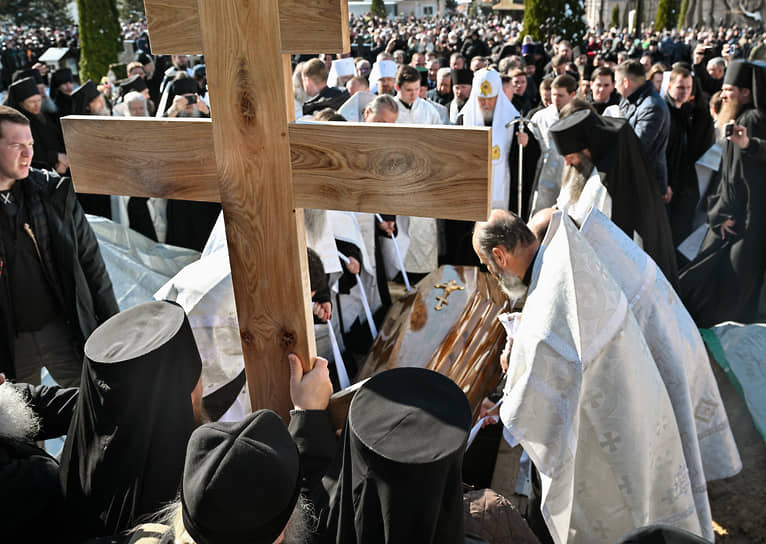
x=263, y=169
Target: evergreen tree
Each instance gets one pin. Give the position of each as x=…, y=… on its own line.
x=666, y=15
x=615, y=23
x=682, y=13
x=99, y=37
x=35, y=12
x=626, y=15
x=543, y=18
x=450, y=5
x=378, y=8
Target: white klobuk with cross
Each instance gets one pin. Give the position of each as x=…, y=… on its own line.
x=264, y=168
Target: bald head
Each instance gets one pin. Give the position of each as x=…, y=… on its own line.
x=505, y=245
x=539, y=222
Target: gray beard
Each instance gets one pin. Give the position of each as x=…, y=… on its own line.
x=17, y=419
x=575, y=177
x=302, y=523
x=488, y=117
x=512, y=285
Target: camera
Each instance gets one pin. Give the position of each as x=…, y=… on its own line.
x=728, y=129
x=191, y=98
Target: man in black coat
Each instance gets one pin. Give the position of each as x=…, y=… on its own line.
x=684, y=148
x=54, y=287
x=315, y=84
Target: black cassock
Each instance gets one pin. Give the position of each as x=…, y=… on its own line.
x=625, y=171
x=691, y=134
x=724, y=281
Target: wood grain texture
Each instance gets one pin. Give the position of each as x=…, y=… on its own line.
x=163, y=158
x=428, y=171
x=397, y=169
x=265, y=236
x=317, y=26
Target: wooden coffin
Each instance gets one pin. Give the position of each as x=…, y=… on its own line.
x=449, y=324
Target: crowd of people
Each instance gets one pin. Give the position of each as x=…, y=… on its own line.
x=625, y=184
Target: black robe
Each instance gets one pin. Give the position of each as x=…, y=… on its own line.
x=190, y=223
x=329, y=97
x=637, y=206
x=124, y=453
x=691, y=134
x=724, y=281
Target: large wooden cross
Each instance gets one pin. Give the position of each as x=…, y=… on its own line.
x=264, y=169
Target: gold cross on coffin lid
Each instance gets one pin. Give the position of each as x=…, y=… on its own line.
x=448, y=287
x=264, y=168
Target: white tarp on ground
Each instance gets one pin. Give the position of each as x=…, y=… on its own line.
x=744, y=361
x=137, y=265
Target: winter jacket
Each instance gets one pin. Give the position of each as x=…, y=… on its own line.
x=71, y=260
x=649, y=116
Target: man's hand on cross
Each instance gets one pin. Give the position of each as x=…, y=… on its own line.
x=310, y=390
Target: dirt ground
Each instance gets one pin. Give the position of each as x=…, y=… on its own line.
x=739, y=503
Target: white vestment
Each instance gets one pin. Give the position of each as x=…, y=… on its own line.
x=586, y=401
x=443, y=112
x=680, y=355
x=593, y=195
x=353, y=108
x=422, y=112
x=487, y=83
x=347, y=227
x=205, y=292
x=549, y=179
x=322, y=241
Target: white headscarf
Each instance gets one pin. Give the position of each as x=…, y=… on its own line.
x=340, y=68
x=487, y=84
x=382, y=68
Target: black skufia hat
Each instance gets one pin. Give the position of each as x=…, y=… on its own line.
x=125, y=448
x=462, y=77
x=61, y=76
x=405, y=437
x=21, y=90
x=82, y=96
x=749, y=75
x=241, y=480
x=740, y=74
x=133, y=83
x=571, y=133
x=144, y=58
x=185, y=85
